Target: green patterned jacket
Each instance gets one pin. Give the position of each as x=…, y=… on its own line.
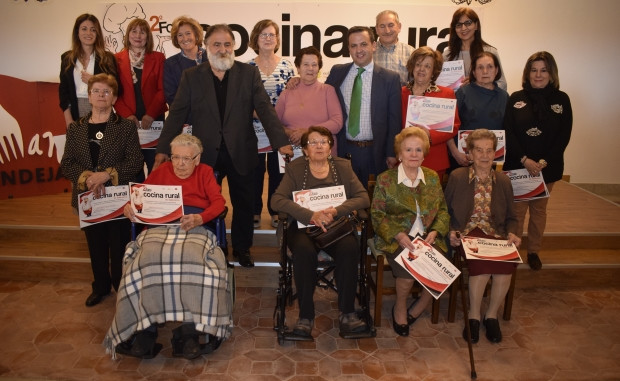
x=393, y=209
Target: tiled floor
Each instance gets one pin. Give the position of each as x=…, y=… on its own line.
x=47, y=333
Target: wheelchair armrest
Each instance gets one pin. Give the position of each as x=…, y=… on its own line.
x=223, y=214
x=362, y=214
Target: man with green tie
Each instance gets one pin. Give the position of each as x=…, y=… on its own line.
x=370, y=100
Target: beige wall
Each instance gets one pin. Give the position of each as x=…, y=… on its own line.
x=582, y=35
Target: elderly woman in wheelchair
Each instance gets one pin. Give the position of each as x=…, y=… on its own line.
x=175, y=273
x=318, y=169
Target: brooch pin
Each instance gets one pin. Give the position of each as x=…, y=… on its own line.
x=519, y=104
x=99, y=135
x=534, y=131
x=557, y=108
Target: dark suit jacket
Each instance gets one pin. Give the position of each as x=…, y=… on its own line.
x=120, y=149
x=385, y=112
x=66, y=89
x=152, y=85
x=196, y=96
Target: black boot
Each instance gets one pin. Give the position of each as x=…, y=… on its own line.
x=185, y=341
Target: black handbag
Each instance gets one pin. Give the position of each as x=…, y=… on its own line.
x=335, y=231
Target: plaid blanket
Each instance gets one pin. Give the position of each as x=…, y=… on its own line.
x=172, y=275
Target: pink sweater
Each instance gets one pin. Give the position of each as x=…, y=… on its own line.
x=311, y=105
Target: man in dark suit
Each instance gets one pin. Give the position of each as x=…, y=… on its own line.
x=221, y=96
x=368, y=132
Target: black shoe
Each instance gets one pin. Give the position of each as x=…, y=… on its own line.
x=474, y=329
x=400, y=329
x=534, y=261
x=244, y=258
x=191, y=347
x=94, y=299
x=144, y=344
x=494, y=334
x=186, y=342
x=351, y=323
x=303, y=327
x=126, y=348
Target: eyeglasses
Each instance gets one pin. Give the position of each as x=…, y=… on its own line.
x=99, y=92
x=267, y=36
x=467, y=23
x=182, y=159
x=315, y=143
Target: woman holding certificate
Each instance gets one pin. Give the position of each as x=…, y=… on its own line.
x=408, y=202
x=466, y=42
x=424, y=67
x=102, y=149
x=141, y=73
x=275, y=72
x=481, y=102
x=480, y=202
x=318, y=169
x=538, y=124
x=175, y=272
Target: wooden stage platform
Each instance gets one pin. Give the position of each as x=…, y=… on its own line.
x=40, y=238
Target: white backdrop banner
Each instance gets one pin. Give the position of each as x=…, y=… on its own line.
x=301, y=24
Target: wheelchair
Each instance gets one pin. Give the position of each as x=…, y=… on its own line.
x=208, y=342
x=286, y=294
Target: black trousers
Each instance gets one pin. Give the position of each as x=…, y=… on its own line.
x=273, y=171
x=362, y=161
x=346, y=255
x=241, y=190
x=106, y=244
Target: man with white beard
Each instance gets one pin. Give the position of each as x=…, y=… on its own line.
x=221, y=95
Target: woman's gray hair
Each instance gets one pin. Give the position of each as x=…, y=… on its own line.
x=478, y=134
x=186, y=140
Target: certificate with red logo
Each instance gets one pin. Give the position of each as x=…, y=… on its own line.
x=261, y=136
x=150, y=138
x=109, y=206
x=431, y=113
x=319, y=199
x=525, y=186
x=157, y=204
x=452, y=74
x=490, y=249
x=429, y=267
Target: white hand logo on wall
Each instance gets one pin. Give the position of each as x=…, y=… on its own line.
x=11, y=140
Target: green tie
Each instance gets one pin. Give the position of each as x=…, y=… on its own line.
x=356, y=104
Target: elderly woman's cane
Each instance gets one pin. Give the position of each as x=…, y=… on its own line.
x=465, y=312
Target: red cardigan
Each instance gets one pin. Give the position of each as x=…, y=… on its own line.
x=200, y=189
x=437, y=158
x=152, y=85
